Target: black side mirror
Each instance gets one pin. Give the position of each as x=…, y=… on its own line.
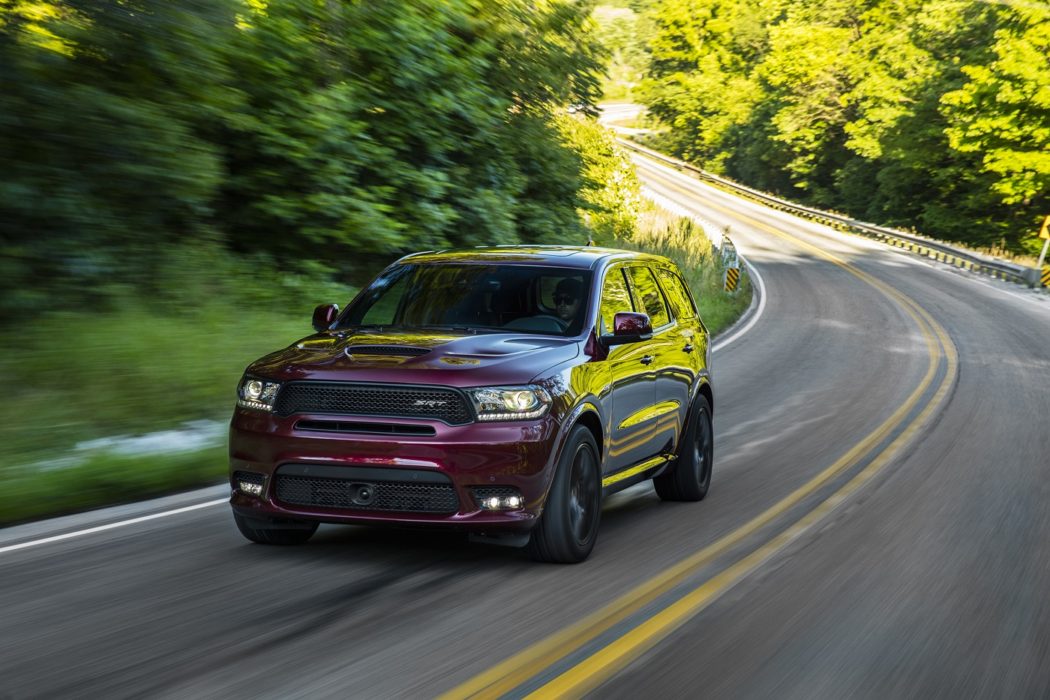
x=324, y=316
x=628, y=327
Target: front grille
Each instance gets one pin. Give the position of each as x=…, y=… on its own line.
x=390, y=496
x=344, y=398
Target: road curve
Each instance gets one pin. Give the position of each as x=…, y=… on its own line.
x=877, y=526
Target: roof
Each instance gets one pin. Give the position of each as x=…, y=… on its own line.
x=557, y=255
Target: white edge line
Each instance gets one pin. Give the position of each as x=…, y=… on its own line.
x=111, y=526
x=721, y=343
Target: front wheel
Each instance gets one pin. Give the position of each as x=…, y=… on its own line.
x=258, y=531
x=690, y=477
x=568, y=528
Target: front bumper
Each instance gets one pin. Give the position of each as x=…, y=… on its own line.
x=518, y=455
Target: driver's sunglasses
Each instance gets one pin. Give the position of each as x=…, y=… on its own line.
x=563, y=299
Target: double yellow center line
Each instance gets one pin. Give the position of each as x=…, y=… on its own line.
x=596, y=668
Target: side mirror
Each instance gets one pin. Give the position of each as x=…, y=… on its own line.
x=324, y=316
x=628, y=327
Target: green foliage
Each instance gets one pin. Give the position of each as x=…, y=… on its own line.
x=623, y=31
x=929, y=114
x=414, y=125
x=610, y=194
x=104, y=156
x=1002, y=113
x=308, y=132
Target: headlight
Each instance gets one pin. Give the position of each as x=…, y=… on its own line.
x=510, y=402
x=258, y=394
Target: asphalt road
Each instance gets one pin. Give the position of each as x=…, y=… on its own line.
x=878, y=526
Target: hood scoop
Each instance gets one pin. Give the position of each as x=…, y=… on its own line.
x=403, y=350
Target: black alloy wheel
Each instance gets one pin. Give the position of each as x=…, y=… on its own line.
x=584, y=499
x=568, y=528
x=689, y=478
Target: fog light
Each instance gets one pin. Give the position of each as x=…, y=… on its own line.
x=249, y=483
x=498, y=498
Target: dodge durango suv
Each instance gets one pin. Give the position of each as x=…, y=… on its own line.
x=503, y=391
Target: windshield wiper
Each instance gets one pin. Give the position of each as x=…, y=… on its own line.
x=352, y=328
x=473, y=330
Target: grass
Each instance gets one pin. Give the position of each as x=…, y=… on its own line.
x=69, y=378
x=105, y=479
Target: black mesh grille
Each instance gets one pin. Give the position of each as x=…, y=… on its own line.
x=369, y=400
x=400, y=496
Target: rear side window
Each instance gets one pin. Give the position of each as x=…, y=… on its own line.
x=677, y=294
x=643, y=284
x=615, y=298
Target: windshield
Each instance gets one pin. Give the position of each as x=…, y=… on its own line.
x=475, y=298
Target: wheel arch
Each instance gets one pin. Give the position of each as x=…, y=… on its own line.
x=591, y=420
x=707, y=393
x=588, y=415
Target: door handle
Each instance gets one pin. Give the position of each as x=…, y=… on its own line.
x=648, y=359
x=688, y=347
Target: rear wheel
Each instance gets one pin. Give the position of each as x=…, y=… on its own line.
x=568, y=527
x=690, y=477
x=261, y=532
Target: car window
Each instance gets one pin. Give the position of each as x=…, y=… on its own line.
x=615, y=298
x=643, y=284
x=677, y=294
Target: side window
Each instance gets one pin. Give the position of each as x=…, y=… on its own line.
x=644, y=286
x=615, y=297
x=677, y=294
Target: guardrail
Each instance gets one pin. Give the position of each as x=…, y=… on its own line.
x=906, y=241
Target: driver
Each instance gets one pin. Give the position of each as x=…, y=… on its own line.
x=567, y=300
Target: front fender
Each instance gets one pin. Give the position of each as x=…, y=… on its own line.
x=589, y=405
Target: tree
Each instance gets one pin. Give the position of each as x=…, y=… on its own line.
x=1002, y=113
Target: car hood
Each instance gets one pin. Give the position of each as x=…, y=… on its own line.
x=403, y=358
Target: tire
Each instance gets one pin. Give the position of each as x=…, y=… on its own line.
x=568, y=528
x=690, y=477
x=275, y=535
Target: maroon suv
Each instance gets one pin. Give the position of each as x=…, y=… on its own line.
x=500, y=390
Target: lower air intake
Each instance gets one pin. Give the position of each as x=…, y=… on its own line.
x=361, y=495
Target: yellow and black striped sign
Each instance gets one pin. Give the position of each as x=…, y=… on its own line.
x=732, y=278
x=1046, y=276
